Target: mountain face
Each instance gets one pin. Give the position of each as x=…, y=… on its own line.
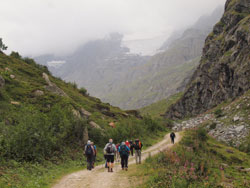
x=108, y=71
x=224, y=69
x=167, y=72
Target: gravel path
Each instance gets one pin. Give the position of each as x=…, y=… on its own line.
x=100, y=178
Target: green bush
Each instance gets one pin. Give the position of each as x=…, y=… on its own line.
x=16, y=55
x=202, y=134
x=83, y=91
x=212, y=126
x=218, y=113
x=35, y=136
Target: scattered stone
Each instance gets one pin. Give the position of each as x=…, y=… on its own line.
x=2, y=81
x=236, y=118
x=38, y=93
x=15, y=103
x=245, y=170
x=240, y=128
x=12, y=76
x=224, y=165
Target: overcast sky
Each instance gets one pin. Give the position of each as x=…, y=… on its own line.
x=34, y=27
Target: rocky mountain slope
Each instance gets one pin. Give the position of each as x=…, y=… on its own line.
x=106, y=69
x=167, y=72
x=224, y=69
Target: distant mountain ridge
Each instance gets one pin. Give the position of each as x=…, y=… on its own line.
x=131, y=81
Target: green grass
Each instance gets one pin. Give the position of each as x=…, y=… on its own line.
x=195, y=162
x=41, y=139
x=157, y=109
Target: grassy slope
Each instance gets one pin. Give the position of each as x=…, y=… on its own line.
x=160, y=107
x=195, y=163
x=40, y=139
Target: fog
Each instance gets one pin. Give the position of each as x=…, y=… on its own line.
x=35, y=27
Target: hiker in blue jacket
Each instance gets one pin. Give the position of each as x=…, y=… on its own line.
x=124, y=153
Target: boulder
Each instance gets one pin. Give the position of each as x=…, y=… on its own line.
x=85, y=113
x=236, y=118
x=2, y=81
x=76, y=113
x=53, y=87
x=239, y=129
x=38, y=93
x=12, y=76
x=15, y=103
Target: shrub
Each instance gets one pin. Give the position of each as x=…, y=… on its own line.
x=15, y=55
x=218, y=113
x=212, y=126
x=202, y=134
x=83, y=91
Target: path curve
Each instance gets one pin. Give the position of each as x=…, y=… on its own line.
x=99, y=177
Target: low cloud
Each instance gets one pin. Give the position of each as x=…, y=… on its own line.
x=35, y=27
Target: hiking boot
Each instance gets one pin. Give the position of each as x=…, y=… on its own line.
x=126, y=169
x=108, y=169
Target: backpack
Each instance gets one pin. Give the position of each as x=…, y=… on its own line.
x=137, y=145
x=110, y=148
x=89, y=150
x=123, y=150
x=172, y=135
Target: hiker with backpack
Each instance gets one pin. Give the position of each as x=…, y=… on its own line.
x=95, y=153
x=138, y=147
x=124, y=153
x=131, y=147
x=89, y=153
x=172, y=136
x=110, y=150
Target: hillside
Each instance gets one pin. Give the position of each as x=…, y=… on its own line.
x=45, y=122
x=224, y=69
x=197, y=161
x=156, y=110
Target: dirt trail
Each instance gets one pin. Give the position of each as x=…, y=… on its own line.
x=99, y=177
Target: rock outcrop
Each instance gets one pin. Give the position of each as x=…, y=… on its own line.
x=53, y=87
x=224, y=70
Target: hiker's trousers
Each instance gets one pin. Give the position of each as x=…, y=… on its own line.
x=124, y=161
x=138, y=156
x=89, y=162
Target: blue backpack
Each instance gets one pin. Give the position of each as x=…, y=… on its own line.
x=124, y=150
x=89, y=150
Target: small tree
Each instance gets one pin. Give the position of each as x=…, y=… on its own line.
x=2, y=45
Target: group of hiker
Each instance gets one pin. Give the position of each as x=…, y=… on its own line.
x=120, y=151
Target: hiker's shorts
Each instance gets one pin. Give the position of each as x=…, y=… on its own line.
x=110, y=158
